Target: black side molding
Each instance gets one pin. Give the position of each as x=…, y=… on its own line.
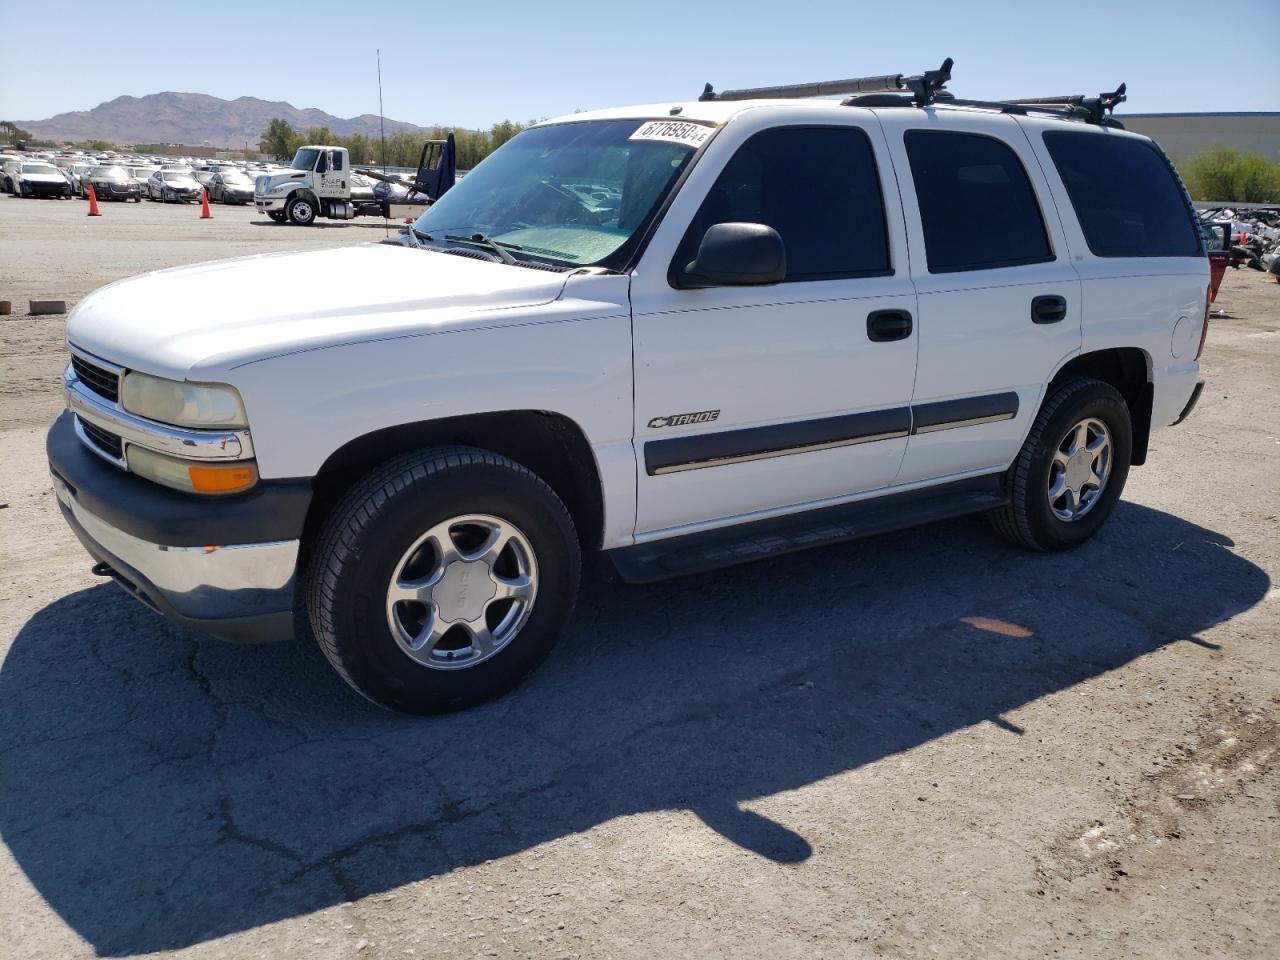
x=966, y=412
x=1191, y=404
x=273, y=510
x=754, y=443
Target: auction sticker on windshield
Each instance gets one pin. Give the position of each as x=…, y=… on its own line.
x=674, y=131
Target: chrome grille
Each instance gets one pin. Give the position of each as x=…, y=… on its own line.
x=105, y=441
x=101, y=381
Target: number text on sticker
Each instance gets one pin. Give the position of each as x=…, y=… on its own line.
x=674, y=131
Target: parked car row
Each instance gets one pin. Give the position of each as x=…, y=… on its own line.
x=116, y=177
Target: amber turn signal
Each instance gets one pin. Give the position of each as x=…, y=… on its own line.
x=223, y=478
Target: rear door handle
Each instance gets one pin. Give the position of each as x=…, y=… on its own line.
x=884, y=326
x=1048, y=309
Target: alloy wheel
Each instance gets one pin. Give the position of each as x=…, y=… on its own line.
x=462, y=592
x=1080, y=469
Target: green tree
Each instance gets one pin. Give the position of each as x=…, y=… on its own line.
x=1224, y=173
x=12, y=131
x=278, y=139
x=503, y=131
x=400, y=149
x=320, y=136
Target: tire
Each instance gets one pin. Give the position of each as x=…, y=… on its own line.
x=1030, y=519
x=368, y=541
x=301, y=211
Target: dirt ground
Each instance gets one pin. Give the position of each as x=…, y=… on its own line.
x=927, y=744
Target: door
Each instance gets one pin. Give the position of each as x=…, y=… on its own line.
x=999, y=300
x=332, y=175
x=753, y=399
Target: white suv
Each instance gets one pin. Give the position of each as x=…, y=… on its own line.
x=686, y=335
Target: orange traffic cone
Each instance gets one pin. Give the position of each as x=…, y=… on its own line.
x=204, y=206
x=93, y=203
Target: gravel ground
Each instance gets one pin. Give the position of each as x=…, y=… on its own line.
x=927, y=744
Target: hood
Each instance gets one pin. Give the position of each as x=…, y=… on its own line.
x=283, y=176
x=198, y=320
x=44, y=177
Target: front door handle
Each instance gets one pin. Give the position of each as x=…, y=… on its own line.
x=884, y=326
x=1048, y=309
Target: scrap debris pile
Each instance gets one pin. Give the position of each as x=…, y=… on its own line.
x=1248, y=237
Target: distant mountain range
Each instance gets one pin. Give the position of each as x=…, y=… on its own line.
x=195, y=119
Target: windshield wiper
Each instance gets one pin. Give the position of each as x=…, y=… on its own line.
x=497, y=246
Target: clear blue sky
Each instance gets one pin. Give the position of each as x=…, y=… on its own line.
x=472, y=63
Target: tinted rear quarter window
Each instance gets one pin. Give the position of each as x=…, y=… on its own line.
x=1125, y=195
x=977, y=207
x=818, y=187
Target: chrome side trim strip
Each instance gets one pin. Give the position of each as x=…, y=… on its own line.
x=175, y=441
x=770, y=454
x=971, y=422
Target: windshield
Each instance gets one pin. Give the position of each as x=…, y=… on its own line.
x=236, y=177
x=305, y=160
x=39, y=168
x=176, y=174
x=574, y=193
x=110, y=173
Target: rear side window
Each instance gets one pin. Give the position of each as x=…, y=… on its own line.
x=818, y=187
x=1125, y=195
x=976, y=203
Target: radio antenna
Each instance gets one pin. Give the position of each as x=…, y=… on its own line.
x=382, y=130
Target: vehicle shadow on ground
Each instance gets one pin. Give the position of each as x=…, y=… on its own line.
x=161, y=789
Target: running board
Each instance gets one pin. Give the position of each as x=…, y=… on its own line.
x=744, y=543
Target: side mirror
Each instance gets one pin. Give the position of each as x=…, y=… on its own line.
x=735, y=255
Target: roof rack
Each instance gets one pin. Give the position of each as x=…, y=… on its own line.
x=927, y=88
x=923, y=87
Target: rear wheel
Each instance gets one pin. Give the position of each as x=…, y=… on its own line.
x=442, y=579
x=1071, y=470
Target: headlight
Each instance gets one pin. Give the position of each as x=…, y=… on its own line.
x=197, y=405
x=189, y=476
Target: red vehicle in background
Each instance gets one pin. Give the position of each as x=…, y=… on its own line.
x=1217, y=239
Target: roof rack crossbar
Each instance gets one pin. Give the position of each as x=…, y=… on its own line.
x=923, y=87
x=889, y=83
x=1091, y=109
x=927, y=88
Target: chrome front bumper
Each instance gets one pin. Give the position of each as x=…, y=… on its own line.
x=239, y=592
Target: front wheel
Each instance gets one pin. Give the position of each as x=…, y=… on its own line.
x=301, y=211
x=1071, y=470
x=442, y=579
